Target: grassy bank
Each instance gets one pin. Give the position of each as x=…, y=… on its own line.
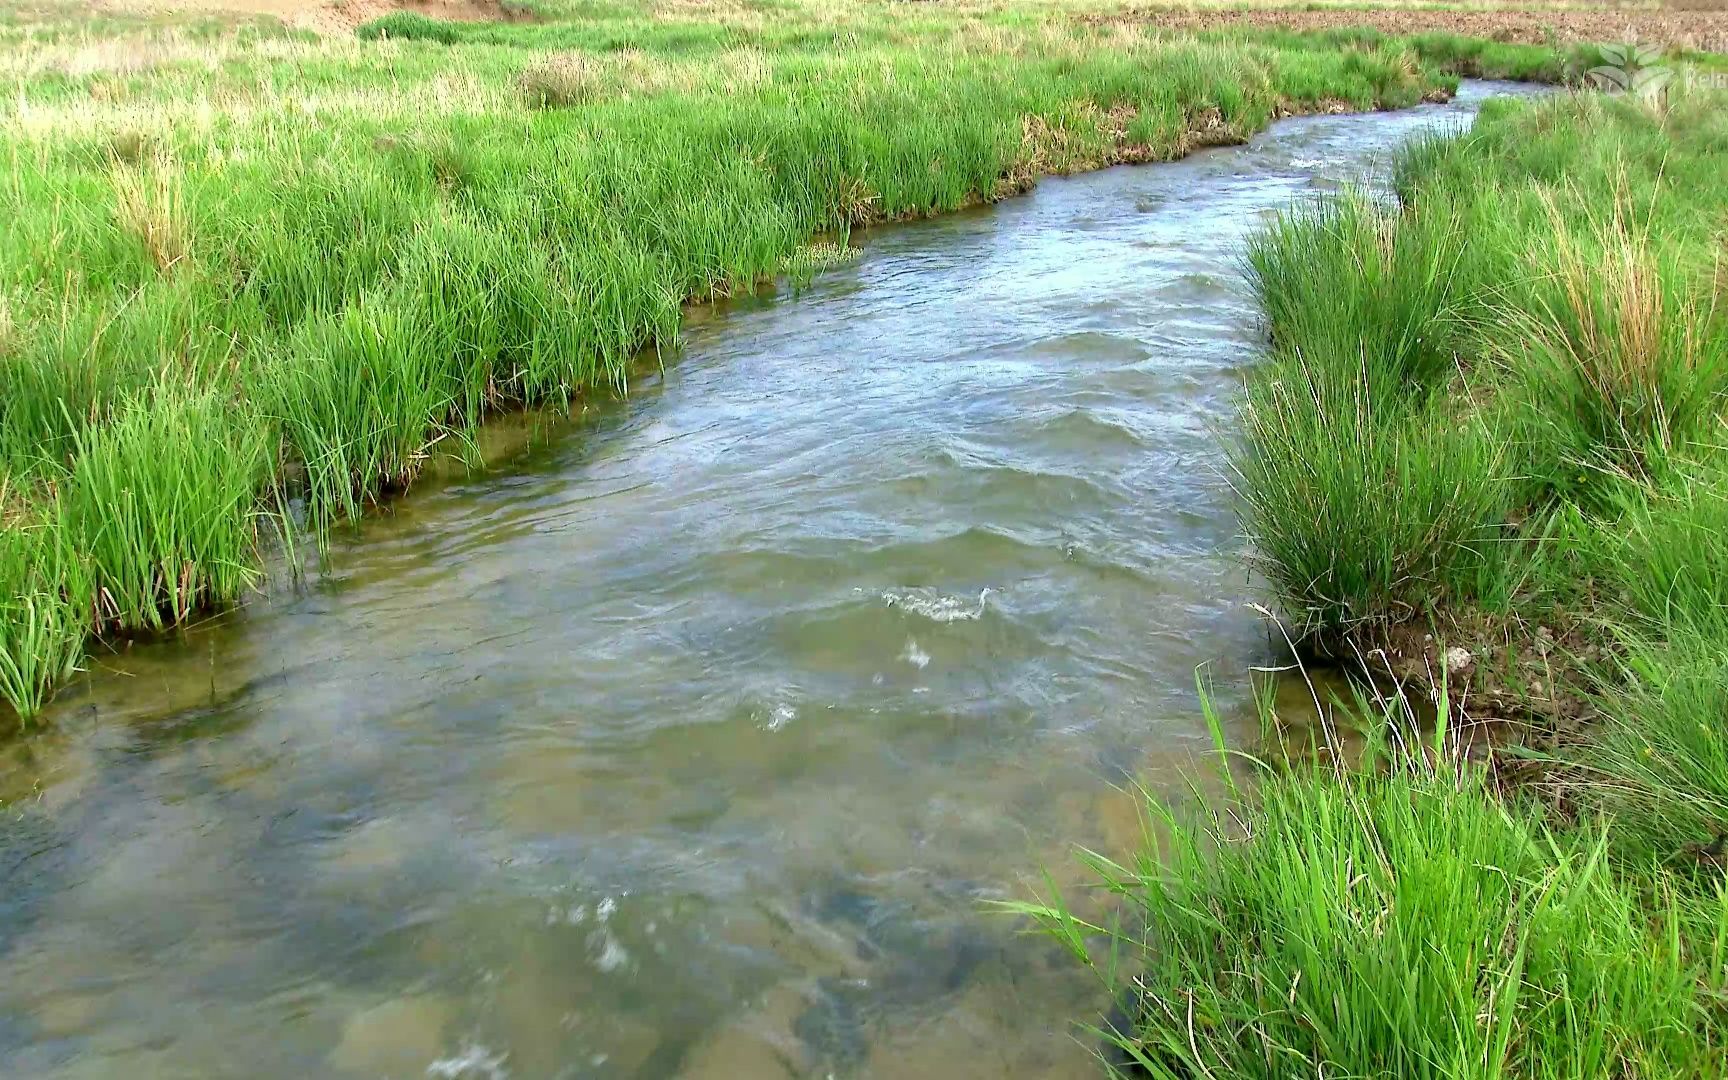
x=1484, y=457
x=250, y=275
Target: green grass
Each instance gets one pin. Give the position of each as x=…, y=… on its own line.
x=1531, y=330
x=1665, y=560
x=1659, y=765
x=158, y=505
x=1368, y=510
x=247, y=268
x=1496, y=406
x=45, y=605
x=1407, y=923
x=1349, y=420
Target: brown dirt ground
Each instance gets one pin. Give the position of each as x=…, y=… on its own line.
x=323, y=16
x=1704, y=29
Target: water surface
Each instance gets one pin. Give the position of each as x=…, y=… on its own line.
x=689, y=739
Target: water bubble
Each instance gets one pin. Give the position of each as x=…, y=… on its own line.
x=915, y=656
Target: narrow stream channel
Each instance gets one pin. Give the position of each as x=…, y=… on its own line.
x=689, y=739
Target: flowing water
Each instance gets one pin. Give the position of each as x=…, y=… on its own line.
x=690, y=739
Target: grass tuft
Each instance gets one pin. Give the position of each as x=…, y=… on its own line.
x=148, y=208
x=1407, y=923
x=560, y=81
x=159, y=504
x=1625, y=367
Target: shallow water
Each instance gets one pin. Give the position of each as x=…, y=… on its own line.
x=688, y=739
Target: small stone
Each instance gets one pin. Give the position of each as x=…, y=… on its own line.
x=1458, y=659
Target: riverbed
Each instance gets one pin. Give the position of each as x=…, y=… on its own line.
x=693, y=735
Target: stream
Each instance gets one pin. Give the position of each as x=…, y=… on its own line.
x=692, y=736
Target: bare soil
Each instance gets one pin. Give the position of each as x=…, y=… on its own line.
x=322, y=16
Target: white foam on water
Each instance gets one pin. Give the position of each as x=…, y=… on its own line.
x=937, y=606
x=611, y=955
x=474, y=1061
x=915, y=656
x=781, y=715
x=574, y=916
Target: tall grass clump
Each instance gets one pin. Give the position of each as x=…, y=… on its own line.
x=1368, y=492
x=560, y=81
x=1663, y=557
x=1366, y=511
x=1659, y=765
x=44, y=605
x=410, y=26
x=355, y=397
x=1371, y=295
x=1406, y=923
x=1619, y=365
x=1534, y=322
x=159, y=504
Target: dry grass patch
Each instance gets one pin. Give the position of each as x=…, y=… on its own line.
x=148, y=207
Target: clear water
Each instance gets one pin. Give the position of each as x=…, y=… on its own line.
x=690, y=738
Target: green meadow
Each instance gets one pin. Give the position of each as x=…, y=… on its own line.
x=251, y=275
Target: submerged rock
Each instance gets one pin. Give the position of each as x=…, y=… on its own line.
x=399, y=1038
x=833, y=1027
x=917, y=964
